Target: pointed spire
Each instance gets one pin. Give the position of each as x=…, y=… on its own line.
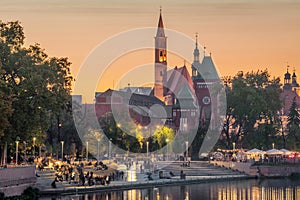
x=196, y=50
x=196, y=40
x=287, y=75
x=160, y=26
x=294, y=72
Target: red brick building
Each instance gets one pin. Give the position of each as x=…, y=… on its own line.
x=183, y=97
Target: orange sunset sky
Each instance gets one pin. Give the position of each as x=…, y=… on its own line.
x=242, y=35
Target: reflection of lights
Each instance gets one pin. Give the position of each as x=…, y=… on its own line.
x=131, y=175
x=187, y=195
x=262, y=192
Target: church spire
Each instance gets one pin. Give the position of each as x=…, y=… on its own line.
x=160, y=59
x=160, y=26
x=287, y=79
x=196, y=50
x=294, y=79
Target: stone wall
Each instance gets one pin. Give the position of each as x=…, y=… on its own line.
x=240, y=166
x=264, y=170
x=275, y=171
x=14, y=180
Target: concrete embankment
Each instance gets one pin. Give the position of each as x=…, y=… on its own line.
x=197, y=172
x=14, y=180
x=72, y=190
x=266, y=170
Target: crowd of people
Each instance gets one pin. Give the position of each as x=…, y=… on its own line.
x=82, y=174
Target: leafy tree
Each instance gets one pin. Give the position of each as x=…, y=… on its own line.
x=121, y=135
x=163, y=135
x=37, y=86
x=293, y=138
x=252, y=103
x=5, y=105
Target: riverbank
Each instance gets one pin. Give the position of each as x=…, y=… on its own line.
x=197, y=172
x=268, y=170
x=115, y=186
x=14, y=180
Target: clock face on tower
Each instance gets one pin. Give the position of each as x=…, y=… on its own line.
x=206, y=100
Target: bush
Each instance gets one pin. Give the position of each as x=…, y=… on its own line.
x=31, y=192
x=295, y=175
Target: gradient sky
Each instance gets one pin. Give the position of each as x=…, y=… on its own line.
x=242, y=35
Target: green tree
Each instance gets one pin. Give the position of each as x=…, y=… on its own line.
x=163, y=135
x=252, y=105
x=5, y=105
x=293, y=138
x=37, y=85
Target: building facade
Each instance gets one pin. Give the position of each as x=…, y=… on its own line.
x=184, y=97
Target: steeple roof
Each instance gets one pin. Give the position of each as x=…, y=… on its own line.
x=287, y=75
x=206, y=69
x=160, y=27
x=196, y=50
x=294, y=73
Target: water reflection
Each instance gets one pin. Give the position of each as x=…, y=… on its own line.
x=131, y=175
x=279, y=189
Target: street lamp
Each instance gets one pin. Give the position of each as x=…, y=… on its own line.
x=34, y=139
x=40, y=150
x=109, y=149
x=167, y=141
x=273, y=145
x=185, y=127
x=233, y=146
x=147, y=143
x=17, y=146
x=87, y=151
x=233, y=150
x=98, y=150
x=62, y=150
x=24, y=150
x=186, y=150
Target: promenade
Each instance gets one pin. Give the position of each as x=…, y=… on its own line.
x=197, y=172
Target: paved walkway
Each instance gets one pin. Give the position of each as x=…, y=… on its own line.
x=197, y=172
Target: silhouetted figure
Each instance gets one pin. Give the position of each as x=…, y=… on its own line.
x=53, y=184
x=171, y=174
x=90, y=179
x=149, y=177
x=182, y=175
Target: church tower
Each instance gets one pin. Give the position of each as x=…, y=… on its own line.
x=294, y=79
x=196, y=63
x=160, y=59
x=287, y=80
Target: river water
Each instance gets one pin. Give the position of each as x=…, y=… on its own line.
x=253, y=189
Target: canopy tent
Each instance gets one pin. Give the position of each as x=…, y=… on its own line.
x=255, y=151
x=274, y=152
x=286, y=152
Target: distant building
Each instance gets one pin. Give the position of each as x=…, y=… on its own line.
x=123, y=101
x=184, y=97
x=290, y=91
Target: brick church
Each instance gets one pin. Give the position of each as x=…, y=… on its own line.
x=185, y=98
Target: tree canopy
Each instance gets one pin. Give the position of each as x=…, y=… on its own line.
x=33, y=86
x=253, y=103
x=293, y=125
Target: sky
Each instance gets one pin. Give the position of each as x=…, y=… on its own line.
x=241, y=35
